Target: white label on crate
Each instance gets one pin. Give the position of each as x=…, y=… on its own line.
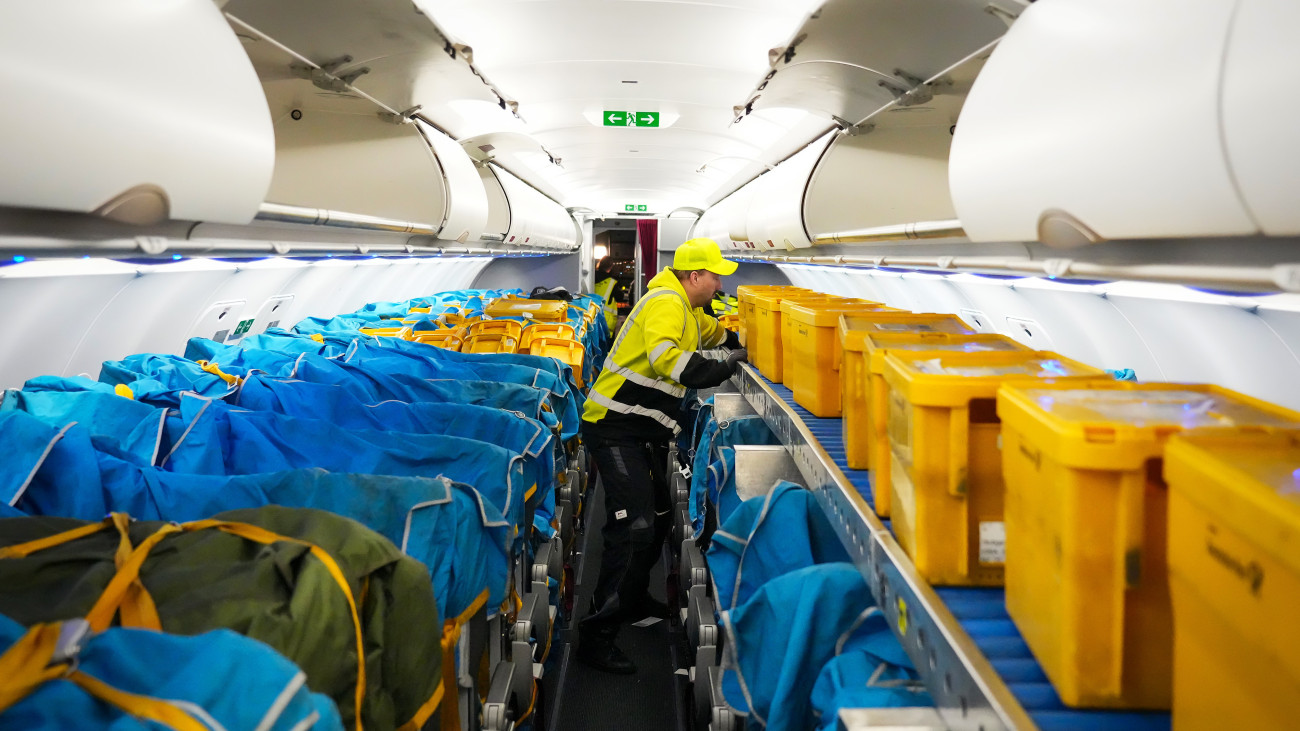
x=528, y=307
x=620, y=514
x=993, y=542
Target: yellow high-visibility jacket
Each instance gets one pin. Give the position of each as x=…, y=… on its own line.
x=605, y=288
x=655, y=358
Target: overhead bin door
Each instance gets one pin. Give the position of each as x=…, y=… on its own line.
x=332, y=159
x=1100, y=115
x=535, y=220
x=467, y=200
x=775, y=217
x=138, y=111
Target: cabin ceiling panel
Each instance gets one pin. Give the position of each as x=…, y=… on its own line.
x=691, y=61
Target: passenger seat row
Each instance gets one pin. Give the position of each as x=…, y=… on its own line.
x=393, y=518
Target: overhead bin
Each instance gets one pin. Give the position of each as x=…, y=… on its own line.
x=889, y=176
x=1261, y=145
x=775, y=218
x=340, y=156
x=854, y=57
x=137, y=112
x=467, y=199
x=766, y=213
x=1076, y=131
x=498, y=218
x=726, y=220
x=534, y=219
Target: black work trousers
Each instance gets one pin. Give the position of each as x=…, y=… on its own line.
x=638, y=517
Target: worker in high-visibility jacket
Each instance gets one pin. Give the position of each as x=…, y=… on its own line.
x=607, y=288
x=630, y=416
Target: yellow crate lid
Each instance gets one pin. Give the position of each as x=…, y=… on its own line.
x=449, y=339
x=490, y=343
x=539, y=309
x=952, y=379
x=877, y=345
x=773, y=300
x=1111, y=424
x=854, y=328
x=827, y=313
x=386, y=332
x=1247, y=478
x=550, y=330
x=513, y=328
x=748, y=290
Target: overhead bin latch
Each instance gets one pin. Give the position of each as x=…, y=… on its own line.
x=323, y=77
x=1287, y=276
x=401, y=117
x=915, y=90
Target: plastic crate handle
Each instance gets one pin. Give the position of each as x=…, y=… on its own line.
x=1130, y=534
x=958, y=468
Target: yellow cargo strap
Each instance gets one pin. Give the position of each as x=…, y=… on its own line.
x=215, y=370
x=451, y=631
x=137, y=606
x=23, y=550
x=26, y=665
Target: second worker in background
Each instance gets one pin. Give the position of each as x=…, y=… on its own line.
x=630, y=417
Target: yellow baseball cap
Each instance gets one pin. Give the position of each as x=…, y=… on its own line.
x=702, y=254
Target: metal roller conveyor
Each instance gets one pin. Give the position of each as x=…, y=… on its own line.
x=974, y=662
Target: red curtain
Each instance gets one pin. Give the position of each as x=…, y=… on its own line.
x=647, y=239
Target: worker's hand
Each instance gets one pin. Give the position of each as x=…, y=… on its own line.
x=739, y=355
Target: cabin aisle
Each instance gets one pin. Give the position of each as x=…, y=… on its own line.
x=584, y=699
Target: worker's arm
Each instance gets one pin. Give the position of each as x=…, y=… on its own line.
x=663, y=322
x=713, y=334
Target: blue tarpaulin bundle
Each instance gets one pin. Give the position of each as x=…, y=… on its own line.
x=208, y=436
x=869, y=670
x=217, y=676
x=779, y=641
x=448, y=526
x=767, y=537
x=713, y=467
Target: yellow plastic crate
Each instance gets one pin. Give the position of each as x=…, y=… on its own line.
x=861, y=424
x=945, y=475
x=766, y=336
x=490, y=343
x=549, y=330
x=541, y=310
x=419, y=310
x=873, y=392
x=1234, y=573
x=1085, y=517
x=811, y=350
x=730, y=322
x=567, y=351
x=745, y=293
x=450, y=339
x=513, y=328
x=386, y=332
x=455, y=319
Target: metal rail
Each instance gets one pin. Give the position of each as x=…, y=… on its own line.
x=1279, y=277
x=968, y=692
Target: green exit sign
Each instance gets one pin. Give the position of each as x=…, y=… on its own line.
x=635, y=208
x=631, y=119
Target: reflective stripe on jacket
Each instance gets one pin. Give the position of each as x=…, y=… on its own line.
x=655, y=358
